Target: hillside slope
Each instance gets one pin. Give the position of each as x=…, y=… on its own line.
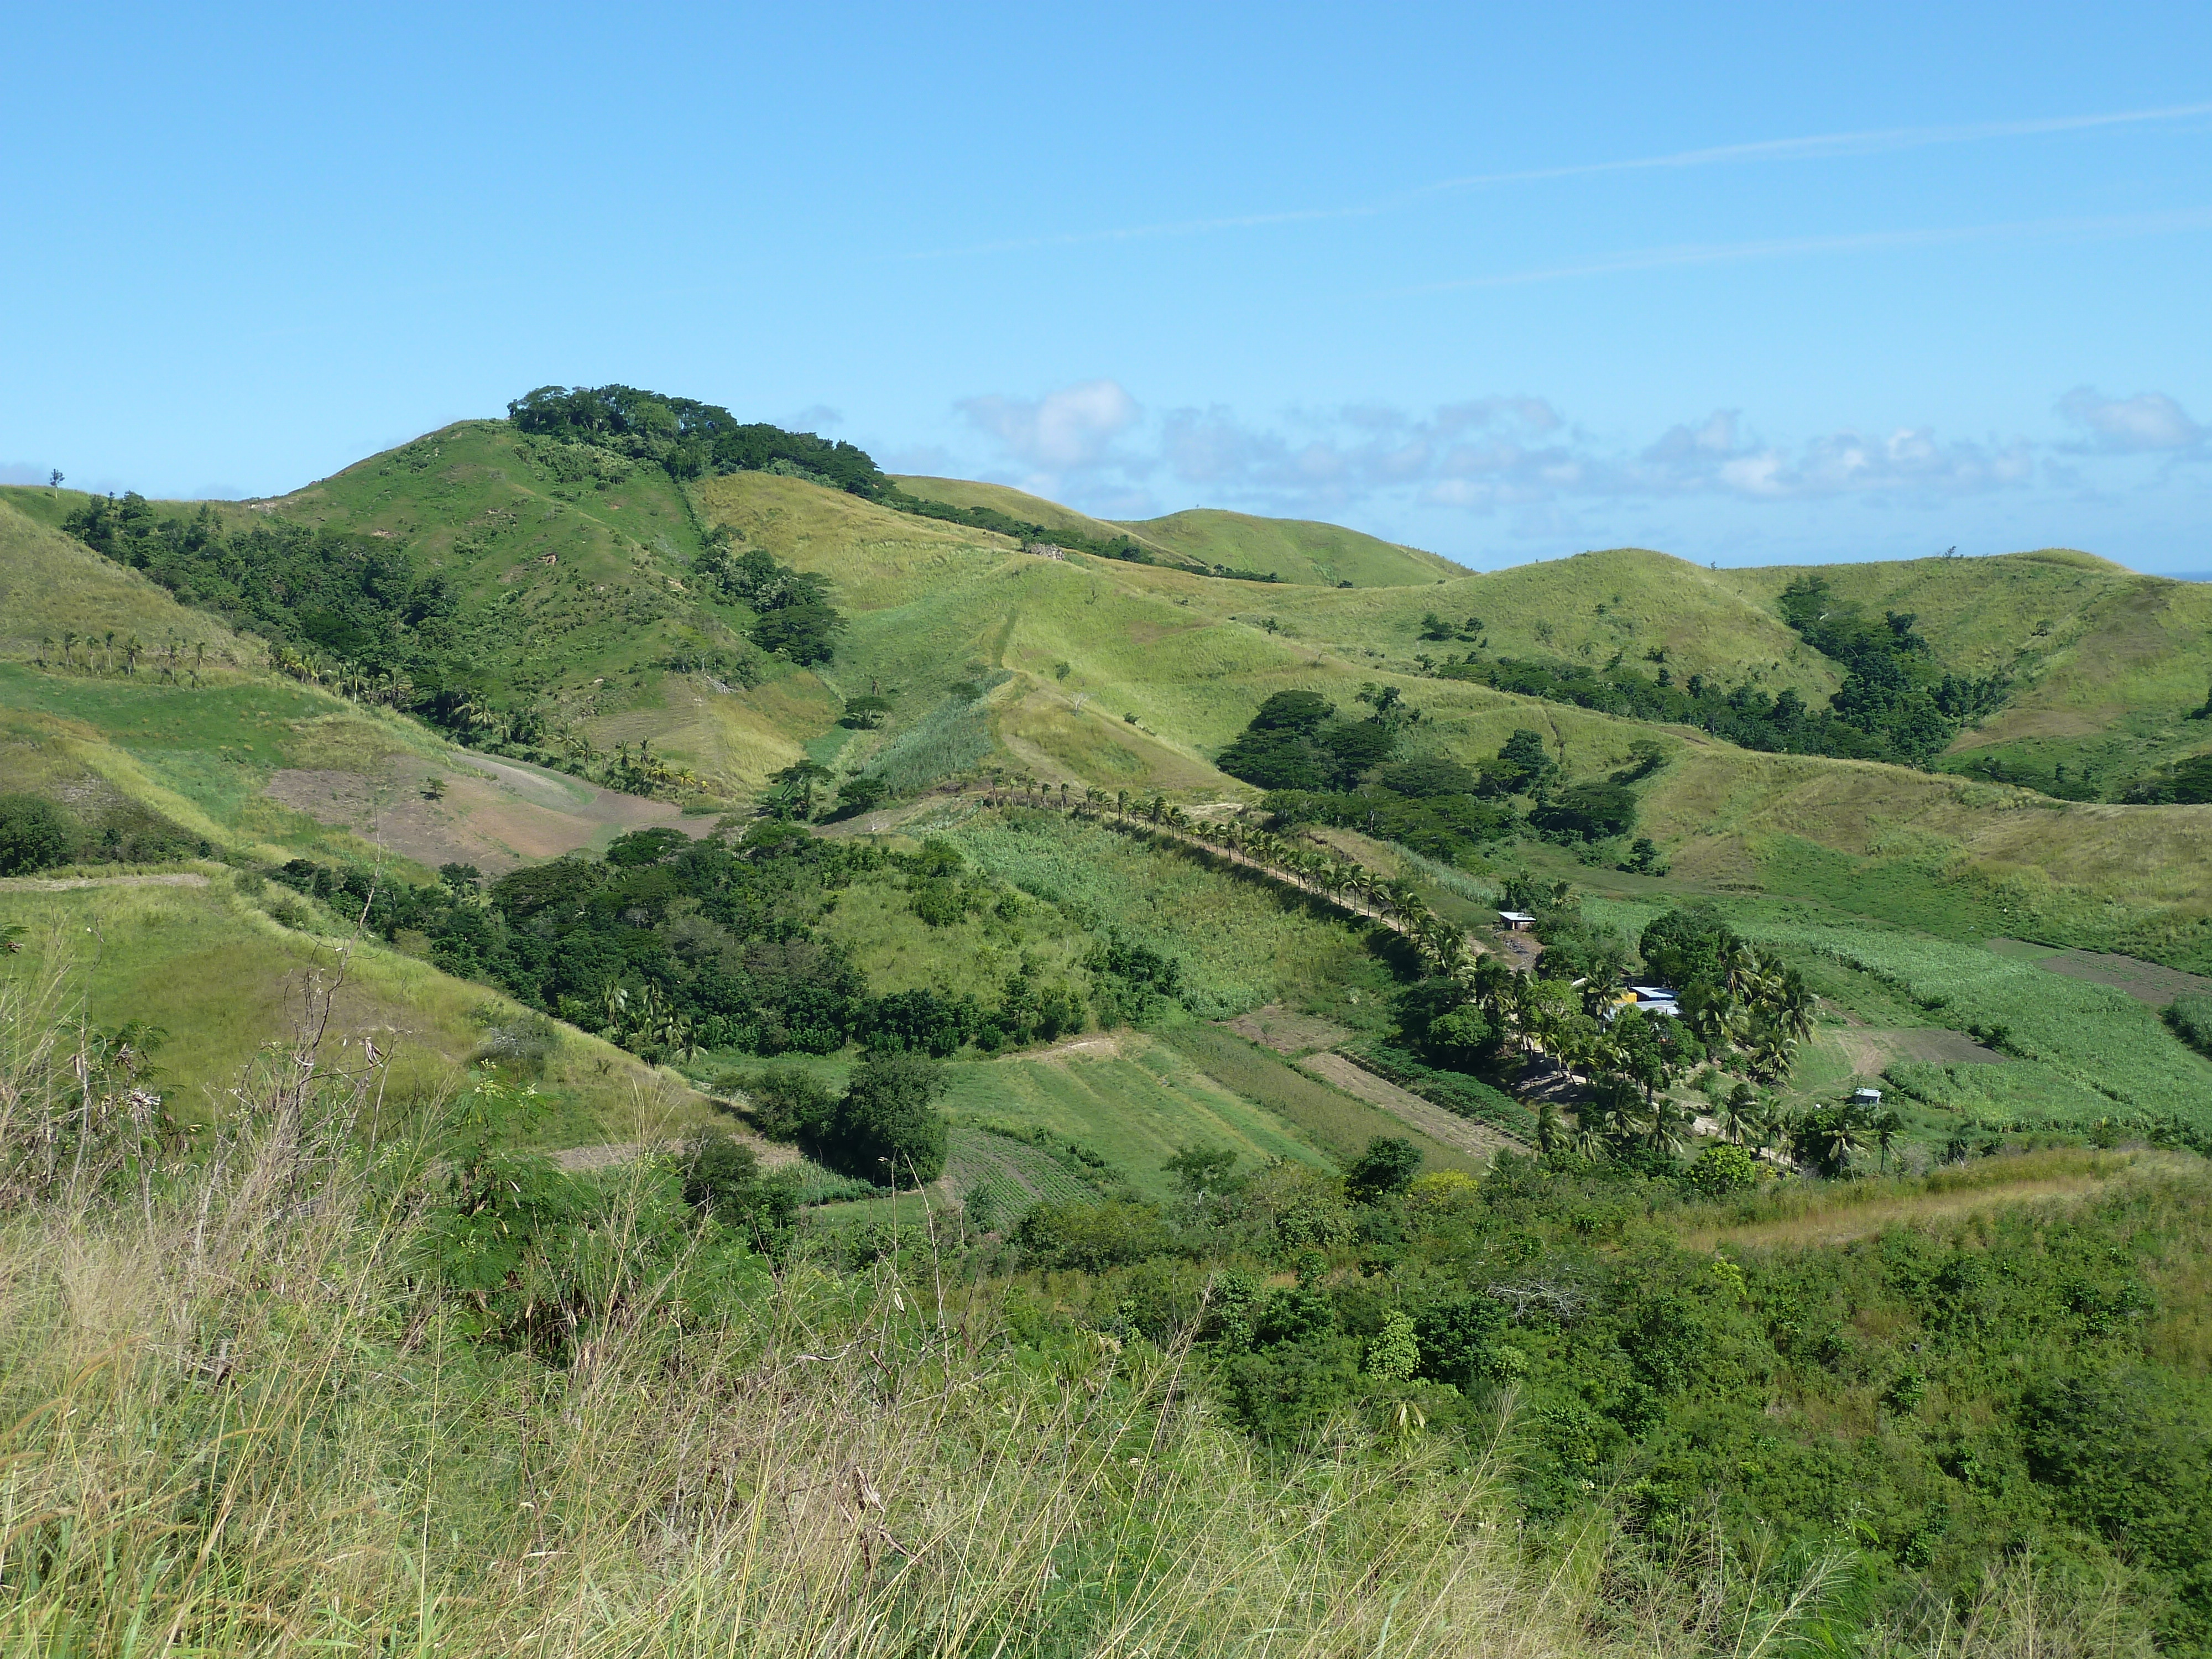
x=2105, y=665
x=1099, y=671
x=52, y=583
x=1020, y=504
x=1293, y=549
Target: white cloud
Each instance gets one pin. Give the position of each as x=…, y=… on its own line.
x=1519, y=457
x=2149, y=422
x=1069, y=430
x=815, y=417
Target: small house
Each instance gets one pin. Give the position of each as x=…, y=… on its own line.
x=1866, y=1096
x=1653, y=999
x=1516, y=921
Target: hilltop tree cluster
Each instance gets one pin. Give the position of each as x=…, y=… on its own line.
x=692, y=439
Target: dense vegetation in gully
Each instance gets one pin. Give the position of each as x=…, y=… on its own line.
x=620, y=1028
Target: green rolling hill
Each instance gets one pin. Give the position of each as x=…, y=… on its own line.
x=576, y=614
x=1293, y=549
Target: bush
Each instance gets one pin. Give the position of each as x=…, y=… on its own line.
x=34, y=834
x=788, y=1104
x=1386, y=1168
x=886, y=1128
x=1723, y=1170
x=1092, y=1236
x=1590, y=810
x=722, y=1176
x=2190, y=1017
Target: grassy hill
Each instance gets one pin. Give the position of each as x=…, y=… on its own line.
x=2106, y=664
x=1031, y=509
x=1294, y=550
x=1101, y=672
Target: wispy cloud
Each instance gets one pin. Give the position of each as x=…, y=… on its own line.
x=1072, y=430
x=2105, y=228
x=1814, y=147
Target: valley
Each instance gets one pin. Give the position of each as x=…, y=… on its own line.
x=705, y=874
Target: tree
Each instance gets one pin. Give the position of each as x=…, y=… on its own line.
x=34, y=834
x=1386, y=1168
x=1720, y=1171
x=887, y=1128
x=54, y=479
x=1203, y=1169
x=1593, y=811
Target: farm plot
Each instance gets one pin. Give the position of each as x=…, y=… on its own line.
x=2078, y=1051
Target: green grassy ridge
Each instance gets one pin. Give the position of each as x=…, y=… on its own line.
x=224, y=971
x=1029, y=509
x=2106, y=664
x=1296, y=551
x=1087, y=642
x=50, y=581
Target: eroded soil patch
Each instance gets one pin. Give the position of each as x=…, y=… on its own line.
x=492, y=813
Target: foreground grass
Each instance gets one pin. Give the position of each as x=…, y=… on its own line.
x=235, y=1437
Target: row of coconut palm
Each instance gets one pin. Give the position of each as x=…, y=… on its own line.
x=169, y=658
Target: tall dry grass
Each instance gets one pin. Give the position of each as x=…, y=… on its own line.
x=237, y=1417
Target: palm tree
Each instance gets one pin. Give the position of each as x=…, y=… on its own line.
x=131, y=651
x=1669, y=1124
x=1739, y=1116
x=1773, y=1052
x=69, y=647
x=1887, y=1126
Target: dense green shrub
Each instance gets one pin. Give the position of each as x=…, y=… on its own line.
x=886, y=1128
x=1093, y=1237
x=34, y=834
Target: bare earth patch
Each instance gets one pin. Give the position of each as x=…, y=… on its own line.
x=495, y=813
x=2146, y=981
x=1869, y=1048
x=1288, y=1033
x=1432, y=1120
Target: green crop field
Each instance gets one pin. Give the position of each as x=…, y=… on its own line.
x=2075, y=1052
x=1335, y=1120
x=1134, y=1098
x=1244, y=942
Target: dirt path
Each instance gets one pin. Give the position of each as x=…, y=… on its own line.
x=1432, y=1120
x=65, y=884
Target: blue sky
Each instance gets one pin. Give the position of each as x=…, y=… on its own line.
x=1751, y=285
